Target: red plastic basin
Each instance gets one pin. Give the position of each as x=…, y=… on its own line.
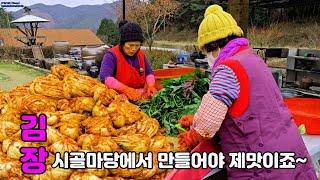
x=170, y=73
x=305, y=111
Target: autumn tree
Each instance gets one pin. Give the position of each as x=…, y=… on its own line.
x=150, y=15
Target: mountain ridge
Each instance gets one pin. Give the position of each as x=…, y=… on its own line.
x=83, y=16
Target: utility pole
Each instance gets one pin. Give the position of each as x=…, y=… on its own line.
x=123, y=9
x=239, y=9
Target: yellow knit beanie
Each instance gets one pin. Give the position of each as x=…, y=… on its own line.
x=217, y=24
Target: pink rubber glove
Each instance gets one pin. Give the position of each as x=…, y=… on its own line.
x=151, y=89
x=151, y=80
x=113, y=83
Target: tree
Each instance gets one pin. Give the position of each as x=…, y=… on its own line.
x=5, y=18
x=191, y=12
x=150, y=15
x=108, y=31
x=239, y=9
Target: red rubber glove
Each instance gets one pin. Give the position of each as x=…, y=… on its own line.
x=189, y=140
x=186, y=120
x=151, y=90
x=131, y=93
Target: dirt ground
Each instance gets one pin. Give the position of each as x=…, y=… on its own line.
x=12, y=75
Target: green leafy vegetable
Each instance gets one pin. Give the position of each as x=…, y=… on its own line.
x=179, y=97
x=302, y=129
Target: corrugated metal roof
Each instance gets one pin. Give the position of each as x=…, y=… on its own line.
x=76, y=37
x=29, y=18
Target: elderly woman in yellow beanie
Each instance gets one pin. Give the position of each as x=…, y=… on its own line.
x=243, y=107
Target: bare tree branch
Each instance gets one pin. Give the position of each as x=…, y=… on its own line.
x=150, y=16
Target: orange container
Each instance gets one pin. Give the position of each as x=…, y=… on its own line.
x=305, y=111
x=170, y=73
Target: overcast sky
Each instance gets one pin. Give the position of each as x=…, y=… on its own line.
x=70, y=3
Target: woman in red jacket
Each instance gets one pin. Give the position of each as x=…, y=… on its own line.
x=125, y=68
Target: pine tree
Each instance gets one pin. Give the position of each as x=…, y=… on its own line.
x=5, y=19
x=108, y=31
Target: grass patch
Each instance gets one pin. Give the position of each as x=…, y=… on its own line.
x=157, y=58
x=174, y=35
x=277, y=62
x=173, y=38
x=287, y=34
x=13, y=75
x=22, y=69
x=303, y=34
x=3, y=77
